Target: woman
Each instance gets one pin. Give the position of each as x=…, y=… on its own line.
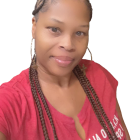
x=61, y=96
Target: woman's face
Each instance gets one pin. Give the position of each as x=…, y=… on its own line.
x=65, y=38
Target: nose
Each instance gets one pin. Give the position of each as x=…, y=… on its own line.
x=67, y=43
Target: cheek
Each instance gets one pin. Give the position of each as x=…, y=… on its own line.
x=43, y=46
x=43, y=38
x=83, y=51
x=47, y=37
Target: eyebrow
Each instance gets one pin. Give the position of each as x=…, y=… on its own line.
x=56, y=20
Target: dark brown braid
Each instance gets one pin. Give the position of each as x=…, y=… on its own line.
x=35, y=86
x=43, y=6
x=96, y=105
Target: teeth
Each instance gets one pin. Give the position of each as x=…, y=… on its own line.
x=60, y=60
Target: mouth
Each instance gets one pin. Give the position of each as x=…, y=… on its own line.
x=63, y=58
x=62, y=61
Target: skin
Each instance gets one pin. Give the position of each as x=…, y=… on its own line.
x=66, y=41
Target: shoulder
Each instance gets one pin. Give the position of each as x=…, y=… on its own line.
x=13, y=102
x=11, y=92
x=96, y=73
x=17, y=82
x=103, y=83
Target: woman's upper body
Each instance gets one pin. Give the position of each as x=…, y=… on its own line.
x=19, y=118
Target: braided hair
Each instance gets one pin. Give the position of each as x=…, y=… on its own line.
x=43, y=5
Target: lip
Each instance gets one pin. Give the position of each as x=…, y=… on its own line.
x=63, y=58
x=63, y=61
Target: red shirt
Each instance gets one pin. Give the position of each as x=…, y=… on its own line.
x=19, y=117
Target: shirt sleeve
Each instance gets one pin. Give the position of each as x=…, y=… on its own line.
x=108, y=96
x=6, y=110
x=110, y=78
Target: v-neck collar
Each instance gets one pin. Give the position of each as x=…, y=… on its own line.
x=66, y=119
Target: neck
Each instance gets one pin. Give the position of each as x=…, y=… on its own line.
x=64, y=82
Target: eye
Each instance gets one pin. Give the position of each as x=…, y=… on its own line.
x=81, y=32
x=53, y=29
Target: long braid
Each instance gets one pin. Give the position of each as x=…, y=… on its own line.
x=92, y=101
x=45, y=105
x=31, y=77
x=78, y=73
x=100, y=106
x=43, y=5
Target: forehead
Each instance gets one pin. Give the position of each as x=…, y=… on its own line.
x=69, y=11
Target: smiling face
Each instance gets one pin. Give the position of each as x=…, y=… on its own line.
x=61, y=31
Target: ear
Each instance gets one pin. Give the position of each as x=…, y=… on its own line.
x=33, y=27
